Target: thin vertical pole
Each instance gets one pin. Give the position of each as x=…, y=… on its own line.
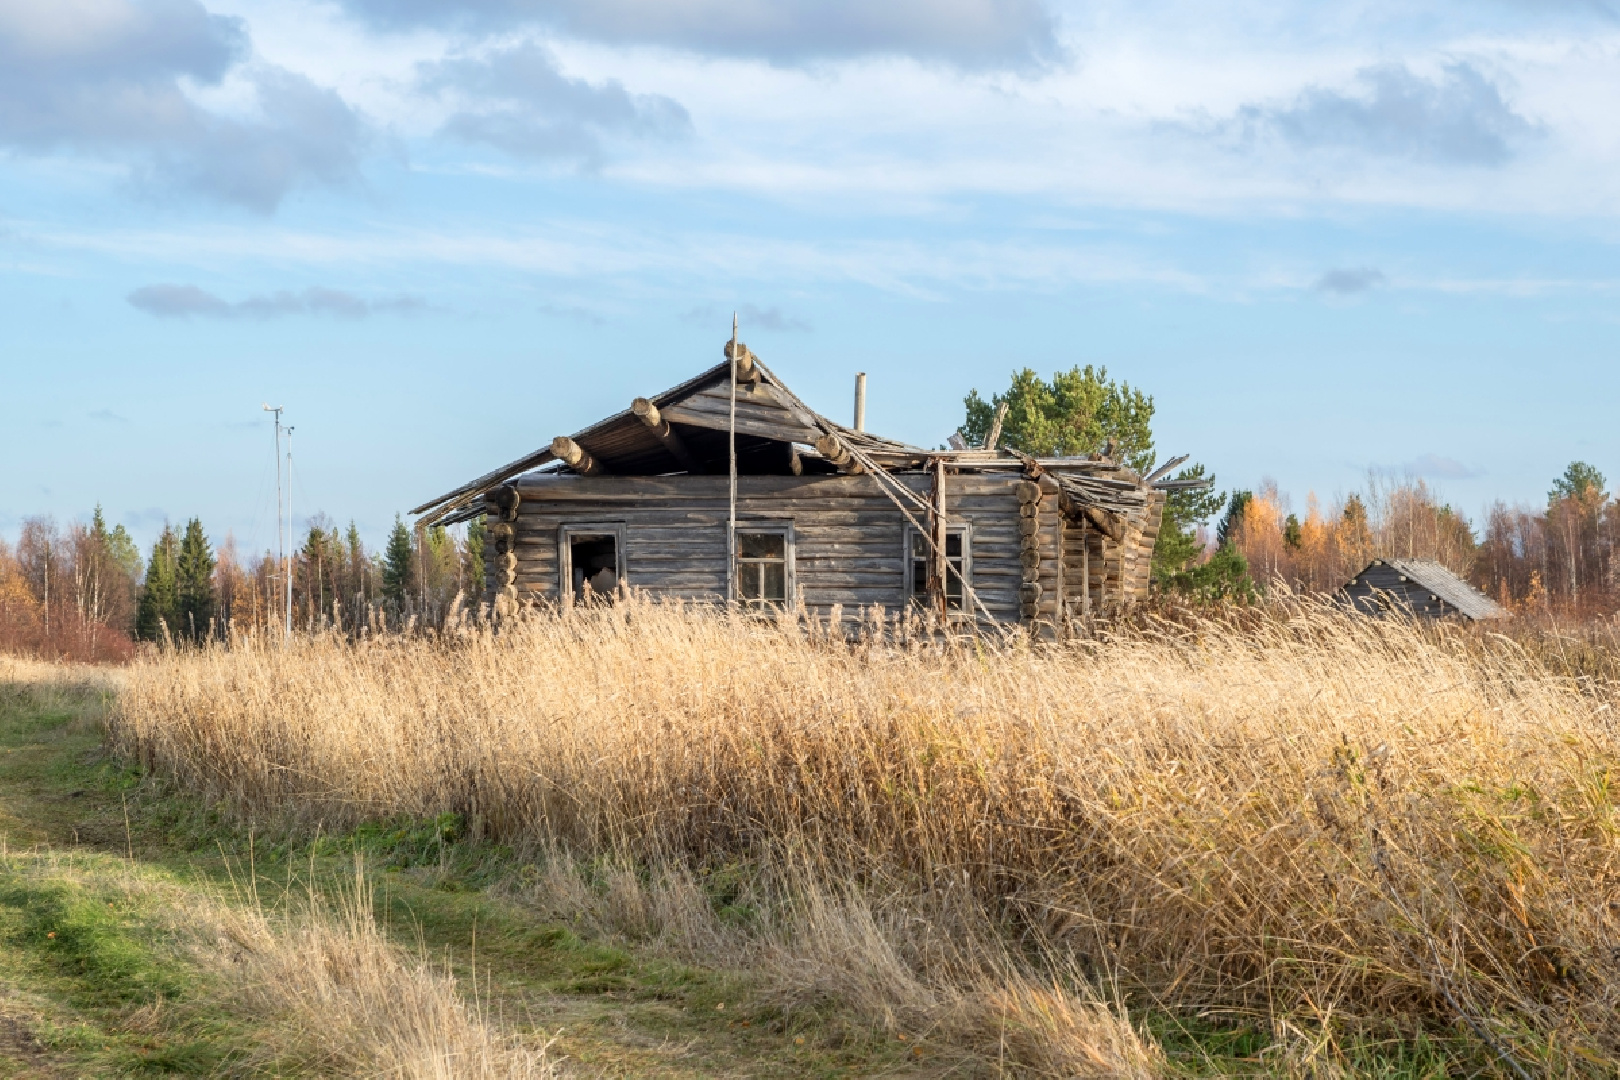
x=281, y=550
x=289, y=559
x=941, y=562
x=731, y=439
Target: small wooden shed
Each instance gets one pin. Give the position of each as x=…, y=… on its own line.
x=819, y=514
x=1418, y=587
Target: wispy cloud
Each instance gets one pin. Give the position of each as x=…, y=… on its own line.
x=1457, y=118
x=107, y=416
x=517, y=99
x=189, y=301
x=1350, y=281
x=751, y=315
x=1429, y=467
x=967, y=33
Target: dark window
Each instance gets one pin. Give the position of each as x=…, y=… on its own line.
x=762, y=565
x=595, y=561
x=922, y=553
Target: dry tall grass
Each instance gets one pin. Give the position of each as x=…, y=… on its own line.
x=342, y=1000
x=1311, y=818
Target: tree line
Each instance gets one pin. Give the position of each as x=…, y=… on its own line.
x=1562, y=558
x=86, y=592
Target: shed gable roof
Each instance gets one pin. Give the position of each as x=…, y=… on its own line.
x=1440, y=581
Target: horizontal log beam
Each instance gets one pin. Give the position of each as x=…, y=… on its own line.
x=576, y=457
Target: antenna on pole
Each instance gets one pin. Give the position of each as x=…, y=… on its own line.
x=731, y=439
x=281, y=556
x=289, y=533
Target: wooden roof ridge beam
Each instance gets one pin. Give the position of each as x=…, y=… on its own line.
x=576, y=457
x=747, y=369
x=648, y=414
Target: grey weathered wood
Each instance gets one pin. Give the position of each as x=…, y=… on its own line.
x=649, y=415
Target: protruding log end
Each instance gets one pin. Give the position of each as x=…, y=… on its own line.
x=745, y=360
x=833, y=449
x=646, y=412
x=575, y=456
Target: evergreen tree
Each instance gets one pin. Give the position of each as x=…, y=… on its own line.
x=398, y=563
x=1232, y=518
x=159, y=599
x=1580, y=482
x=1081, y=411
x=1293, y=534
x=194, y=583
x=356, y=552
x=1224, y=576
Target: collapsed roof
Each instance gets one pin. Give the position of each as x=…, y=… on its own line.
x=685, y=430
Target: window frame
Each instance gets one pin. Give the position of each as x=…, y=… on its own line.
x=790, y=582
x=963, y=529
x=567, y=533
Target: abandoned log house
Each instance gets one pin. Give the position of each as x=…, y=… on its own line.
x=729, y=488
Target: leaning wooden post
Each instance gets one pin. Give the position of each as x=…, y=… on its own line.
x=942, y=567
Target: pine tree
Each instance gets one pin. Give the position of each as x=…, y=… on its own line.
x=194, y=583
x=1293, y=533
x=1081, y=411
x=398, y=562
x=1580, y=482
x=159, y=599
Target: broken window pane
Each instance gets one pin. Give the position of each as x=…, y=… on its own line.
x=922, y=554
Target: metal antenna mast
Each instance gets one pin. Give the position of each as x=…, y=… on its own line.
x=289, y=533
x=281, y=551
x=731, y=437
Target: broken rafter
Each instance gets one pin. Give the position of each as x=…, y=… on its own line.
x=835, y=450
x=648, y=414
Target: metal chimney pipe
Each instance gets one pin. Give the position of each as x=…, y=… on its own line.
x=860, y=401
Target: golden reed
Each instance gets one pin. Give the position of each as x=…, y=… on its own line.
x=1358, y=824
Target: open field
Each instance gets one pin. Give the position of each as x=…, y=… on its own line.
x=1317, y=843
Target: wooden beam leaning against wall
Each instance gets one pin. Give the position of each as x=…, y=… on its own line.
x=648, y=414
x=576, y=457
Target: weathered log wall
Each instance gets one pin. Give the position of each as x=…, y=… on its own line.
x=849, y=539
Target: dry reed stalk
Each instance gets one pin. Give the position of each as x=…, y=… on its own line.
x=344, y=1000
x=1310, y=815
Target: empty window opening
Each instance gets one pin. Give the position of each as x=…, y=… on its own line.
x=762, y=568
x=595, y=561
x=922, y=556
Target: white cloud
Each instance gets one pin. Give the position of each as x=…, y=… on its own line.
x=110, y=78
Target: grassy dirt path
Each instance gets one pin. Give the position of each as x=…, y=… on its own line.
x=99, y=866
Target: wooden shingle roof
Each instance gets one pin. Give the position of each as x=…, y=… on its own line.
x=1409, y=578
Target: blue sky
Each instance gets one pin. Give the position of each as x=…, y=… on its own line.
x=1379, y=236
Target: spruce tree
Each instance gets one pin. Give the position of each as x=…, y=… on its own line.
x=194, y=583
x=398, y=559
x=159, y=600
